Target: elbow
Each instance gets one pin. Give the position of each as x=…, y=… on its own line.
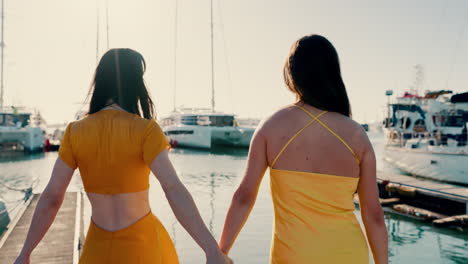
x=243, y=197
x=52, y=200
x=174, y=190
x=374, y=217
x=378, y=218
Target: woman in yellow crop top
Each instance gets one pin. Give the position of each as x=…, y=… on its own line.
x=318, y=158
x=115, y=147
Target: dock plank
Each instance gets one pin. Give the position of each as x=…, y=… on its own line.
x=58, y=245
x=445, y=188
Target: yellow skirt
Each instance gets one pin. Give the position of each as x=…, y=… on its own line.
x=145, y=241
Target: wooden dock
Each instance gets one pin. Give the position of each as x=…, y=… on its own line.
x=60, y=244
x=443, y=204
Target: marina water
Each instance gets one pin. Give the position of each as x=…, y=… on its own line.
x=212, y=177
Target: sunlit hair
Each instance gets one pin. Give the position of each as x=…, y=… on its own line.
x=312, y=72
x=119, y=77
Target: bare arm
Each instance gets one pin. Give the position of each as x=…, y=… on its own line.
x=47, y=207
x=245, y=196
x=371, y=211
x=184, y=208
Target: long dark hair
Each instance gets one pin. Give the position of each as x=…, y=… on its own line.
x=119, y=77
x=312, y=72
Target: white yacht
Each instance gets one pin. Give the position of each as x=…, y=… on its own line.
x=205, y=128
x=19, y=130
x=202, y=128
x=427, y=135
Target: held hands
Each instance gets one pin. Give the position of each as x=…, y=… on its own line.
x=227, y=260
x=218, y=258
x=22, y=260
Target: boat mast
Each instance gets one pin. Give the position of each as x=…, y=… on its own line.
x=2, y=44
x=175, y=54
x=212, y=60
x=107, y=23
x=97, y=32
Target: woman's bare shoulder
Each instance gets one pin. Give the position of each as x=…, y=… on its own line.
x=358, y=135
x=275, y=120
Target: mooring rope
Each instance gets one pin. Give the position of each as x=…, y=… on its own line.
x=27, y=193
x=19, y=202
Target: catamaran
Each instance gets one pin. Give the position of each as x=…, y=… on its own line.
x=19, y=129
x=201, y=127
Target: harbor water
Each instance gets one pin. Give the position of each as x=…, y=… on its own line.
x=212, y=178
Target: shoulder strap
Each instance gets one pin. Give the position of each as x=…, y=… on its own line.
x=331, y=131
x=315, y=118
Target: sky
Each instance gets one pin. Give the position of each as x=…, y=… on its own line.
x=50, y=51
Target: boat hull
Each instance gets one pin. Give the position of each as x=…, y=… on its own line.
x=232, y=136
x=206, y=137
x=31, y=138
x=189, y=136
x=447, y=167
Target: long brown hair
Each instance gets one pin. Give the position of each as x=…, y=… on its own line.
x=312, y=72
x=119, y=77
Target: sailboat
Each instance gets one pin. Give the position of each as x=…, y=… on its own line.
x=205, y=127
x=19, y=128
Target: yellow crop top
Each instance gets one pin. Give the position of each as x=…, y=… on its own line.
x=113, y=150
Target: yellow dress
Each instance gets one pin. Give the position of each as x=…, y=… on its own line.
x=314, y=215
x=113, y=150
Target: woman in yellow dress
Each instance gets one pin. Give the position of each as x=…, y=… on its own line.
x=115, y=147
x=318, y=158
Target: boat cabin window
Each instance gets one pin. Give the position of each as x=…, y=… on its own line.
x=388, y=122
x=167, y=121
x=208, y=120
x=7, y=119
x=189, y=120
x=179, y=132
x=405, y=122
x=221, y=121
x=454, y=121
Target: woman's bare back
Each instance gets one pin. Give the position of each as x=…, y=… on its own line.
x=117, y=211
x=315, y=149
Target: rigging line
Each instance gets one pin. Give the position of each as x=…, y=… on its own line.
x=455, y=50
x=13, y=188
x=33, y=184
x=12, y=201
x=13, y=209
x=107, y=22
x=97, y=31
x=2, y=44
x=437, y=29
x=212, y=60
x=175, y=53
x=226, y=57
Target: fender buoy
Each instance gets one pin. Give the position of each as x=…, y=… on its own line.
x=173, y=143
